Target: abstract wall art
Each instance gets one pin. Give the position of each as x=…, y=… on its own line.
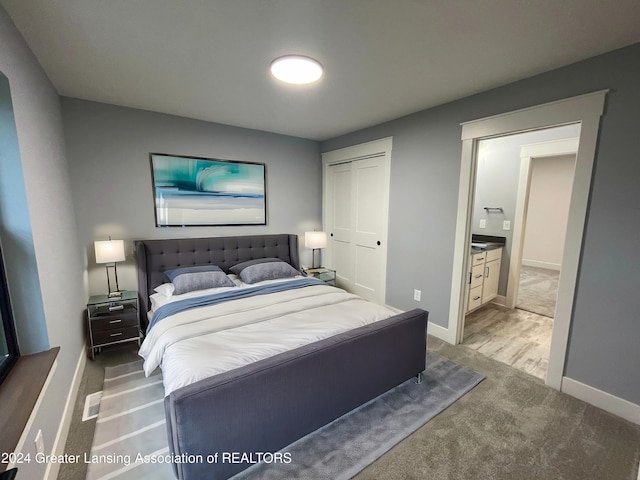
x=194, y=191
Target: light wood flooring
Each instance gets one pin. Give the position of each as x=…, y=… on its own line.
x=518, y=338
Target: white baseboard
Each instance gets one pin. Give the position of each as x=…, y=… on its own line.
x=442, y=333
x=53, y=468
x=605, y=401
x=432, y=329
x=397, y=310
x=500, y=300
x=538, y=264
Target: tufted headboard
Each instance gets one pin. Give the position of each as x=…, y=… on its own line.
x=154, y=257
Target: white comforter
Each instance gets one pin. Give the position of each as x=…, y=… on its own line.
x=202, y=342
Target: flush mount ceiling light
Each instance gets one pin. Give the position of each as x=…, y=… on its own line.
x=296, y=69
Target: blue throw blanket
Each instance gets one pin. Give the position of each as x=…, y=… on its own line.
x=215, y=298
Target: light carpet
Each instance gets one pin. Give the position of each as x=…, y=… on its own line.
x=131, y=425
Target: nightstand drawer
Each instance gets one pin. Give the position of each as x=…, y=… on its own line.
x=111, y=336
x=115, y=321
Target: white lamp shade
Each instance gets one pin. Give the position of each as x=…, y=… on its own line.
x=109, y=251
x=315, y=239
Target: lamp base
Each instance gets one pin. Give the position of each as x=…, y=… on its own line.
x=116, y=294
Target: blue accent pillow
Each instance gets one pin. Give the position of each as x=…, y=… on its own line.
x=258, y=270
x=189, y=279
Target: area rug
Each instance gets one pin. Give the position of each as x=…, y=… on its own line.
x=131, y=426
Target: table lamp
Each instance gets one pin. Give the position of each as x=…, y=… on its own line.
x=110, y=252
x=316, y=241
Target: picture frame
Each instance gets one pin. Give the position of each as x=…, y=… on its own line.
x=199, y=191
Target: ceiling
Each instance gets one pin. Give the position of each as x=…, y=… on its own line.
x=209, y=59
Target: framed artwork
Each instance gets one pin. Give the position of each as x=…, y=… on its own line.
x=194, y=191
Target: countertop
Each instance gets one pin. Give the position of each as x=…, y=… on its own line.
x=489, y=246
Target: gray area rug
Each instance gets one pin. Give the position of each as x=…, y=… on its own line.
x=131, y=425
x=538, y=290
x=347, y=445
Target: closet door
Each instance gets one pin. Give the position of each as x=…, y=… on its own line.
x=367, y=257
x=339, y=226
x=356, y=217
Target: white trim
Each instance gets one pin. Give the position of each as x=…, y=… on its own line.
x=568, y=110
x=538, y=264
x=432, y=329
x=567, y=146
x=440, y=332
x=500, y=300
x=462, y=239
x=585, y=109
x=396, y=310
x=65, y=424
x=610, y=403
x=34, y=412
x=367, y=149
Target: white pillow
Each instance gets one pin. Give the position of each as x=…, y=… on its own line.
x=165, y=289
x=242, y=284
x=159, y=299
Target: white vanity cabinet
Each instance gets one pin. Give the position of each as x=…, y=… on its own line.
x=491, y=275
x=484, y=277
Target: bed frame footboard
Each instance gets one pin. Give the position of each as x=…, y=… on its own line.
x=265, y=406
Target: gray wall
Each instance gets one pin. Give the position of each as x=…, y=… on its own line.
x=425, y=168
x=497, y=178
x=108, y=149
x=38, y=122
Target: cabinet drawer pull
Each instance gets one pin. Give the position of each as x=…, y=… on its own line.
x=116, y=334
x=478, y=276
x=115, y=321
x=476, y=298
x=487, y=270
x=478, y=259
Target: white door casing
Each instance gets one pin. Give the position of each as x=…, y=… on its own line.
x=355, y=216
x=584, y=109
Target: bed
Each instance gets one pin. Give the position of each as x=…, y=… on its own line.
x=217, y=426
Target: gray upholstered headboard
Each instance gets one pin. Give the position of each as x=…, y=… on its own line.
x=154, y=257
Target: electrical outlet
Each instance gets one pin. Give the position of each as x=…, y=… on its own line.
x=506, y=225
x=39, y=442
x=417, y=294
x=483, y=223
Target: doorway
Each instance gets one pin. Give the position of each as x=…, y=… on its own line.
x=549, y=253
x=526, y=178
x=545, y=229
x=585, y=110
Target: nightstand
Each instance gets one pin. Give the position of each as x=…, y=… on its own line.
x=113, y=320
x=327, y=275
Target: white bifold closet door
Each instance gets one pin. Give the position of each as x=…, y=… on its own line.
x=356, y=217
